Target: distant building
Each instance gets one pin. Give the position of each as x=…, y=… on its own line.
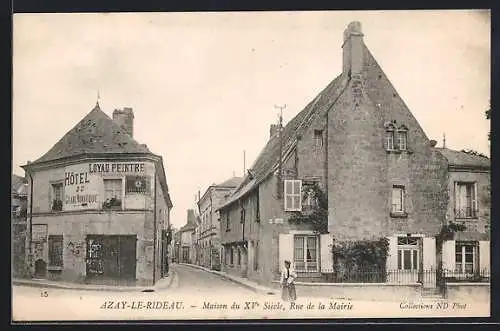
x=208, y=231
x=19, y=197
x=187, y=239
x=100, y=204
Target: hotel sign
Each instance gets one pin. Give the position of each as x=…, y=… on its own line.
x=83, y=182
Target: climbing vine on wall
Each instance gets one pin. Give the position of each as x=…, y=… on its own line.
x=448, y=231
x=317, y=215
x=360, y=260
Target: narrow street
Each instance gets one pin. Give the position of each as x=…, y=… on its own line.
x=196, y=282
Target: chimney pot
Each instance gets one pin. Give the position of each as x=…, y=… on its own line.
x=125, y=119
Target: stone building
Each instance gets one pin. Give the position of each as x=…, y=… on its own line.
x=19, y=195
x=469, y=184
x=208, y=238
x=360, y=144
x=98, y=205
x=187, y=253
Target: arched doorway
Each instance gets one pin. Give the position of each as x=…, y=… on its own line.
x=40, y=268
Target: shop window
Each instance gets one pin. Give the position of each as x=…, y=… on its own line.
x=56, y=250
x=112, y=194
x=305, y=253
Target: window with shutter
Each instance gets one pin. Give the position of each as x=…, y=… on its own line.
x=465, y=200
x=305, y=253
x=293, y=195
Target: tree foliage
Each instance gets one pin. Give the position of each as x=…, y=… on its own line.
x=360, y=254
x=318, y=215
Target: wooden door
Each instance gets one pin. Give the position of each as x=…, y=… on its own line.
x=127, y=258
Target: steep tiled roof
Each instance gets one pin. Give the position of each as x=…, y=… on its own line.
x=95, y=133
x=462, y=159
x=269, y=156
x=231, y=182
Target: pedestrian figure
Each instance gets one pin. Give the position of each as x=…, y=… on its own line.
x=288, y=277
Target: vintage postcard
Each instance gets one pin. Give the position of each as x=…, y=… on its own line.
x=251, y=165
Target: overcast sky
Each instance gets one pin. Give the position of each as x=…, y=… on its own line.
x=203, y=86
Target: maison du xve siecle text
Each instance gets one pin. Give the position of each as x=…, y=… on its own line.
x=353, y=177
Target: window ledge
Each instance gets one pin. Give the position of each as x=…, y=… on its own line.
x=398, y=151
x=466, y=219
x=399, y=214
x=54, y=268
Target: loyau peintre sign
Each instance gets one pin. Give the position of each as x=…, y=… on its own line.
x=83, y=182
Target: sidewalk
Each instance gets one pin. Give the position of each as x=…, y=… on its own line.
x=239, y=280
x=161, y=284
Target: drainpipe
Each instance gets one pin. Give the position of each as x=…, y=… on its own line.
x=154, y=234
x=211, y=211
x=30, y=248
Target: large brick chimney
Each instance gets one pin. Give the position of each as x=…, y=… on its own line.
x=352, y=60
x=125, y=119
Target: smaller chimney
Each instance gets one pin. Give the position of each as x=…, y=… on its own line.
x=125, y=119
x=273, y=130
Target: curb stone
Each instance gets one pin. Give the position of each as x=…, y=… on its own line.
x=165, y=284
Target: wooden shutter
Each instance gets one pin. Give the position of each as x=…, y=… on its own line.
x=474, y=201
x=299, y=184
x=429, y=253
x=484, y=256
x=457, y=197
x=285, y=249
x=449, y=256
x=392, y=258
x=326, y=253
x=288, y=188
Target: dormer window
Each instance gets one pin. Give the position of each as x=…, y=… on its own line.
x=402, y=135
x=389, y=140
x=402, y=140
x=396, y=139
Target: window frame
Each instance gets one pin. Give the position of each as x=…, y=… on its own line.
x=53, y=200
x=389, y=140
x=463, y=261
x=121, y=193
x=318, y=138
x=474, y=204
x=402, y=134
x=413, y=248
x=304, y=239
x=292, y=195
x=401, y=198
